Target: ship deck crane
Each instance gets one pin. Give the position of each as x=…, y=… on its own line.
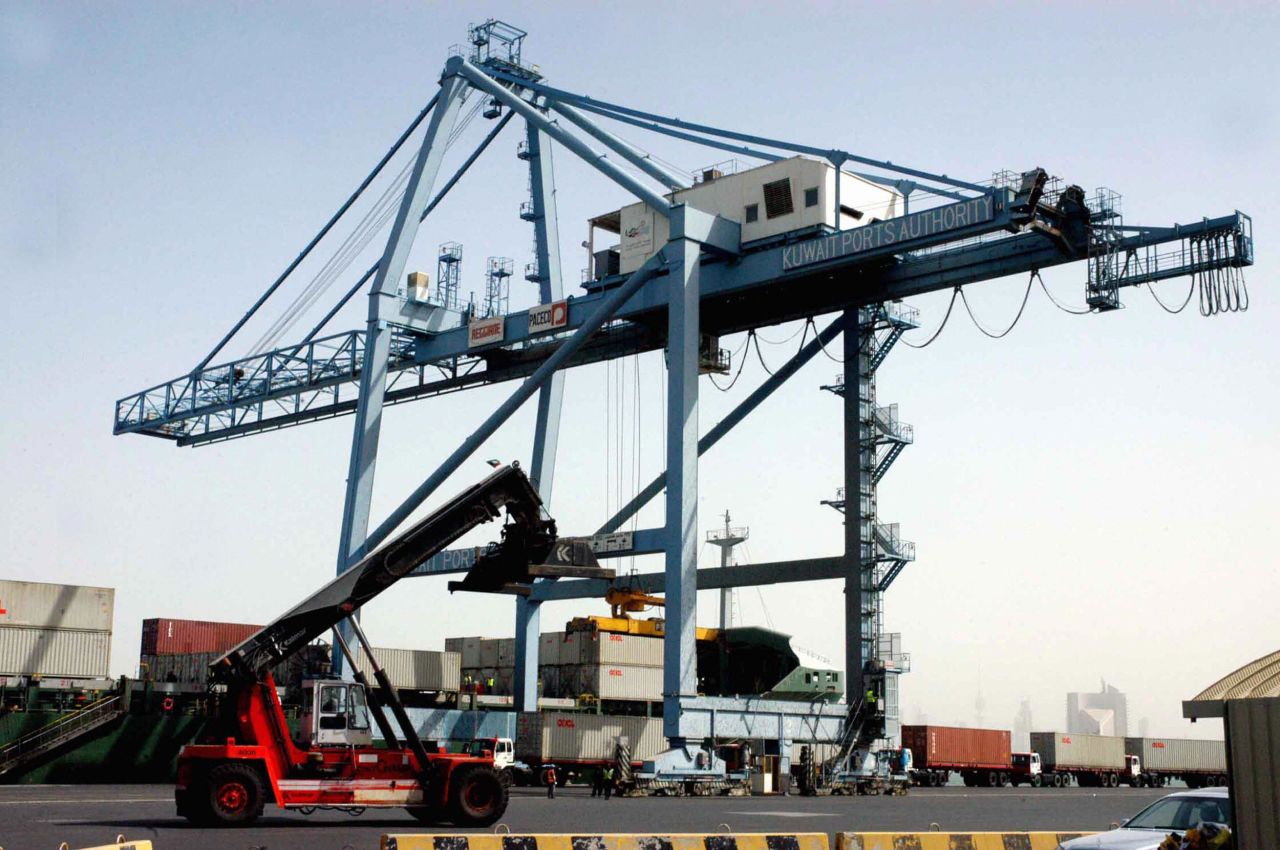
x=703, y=279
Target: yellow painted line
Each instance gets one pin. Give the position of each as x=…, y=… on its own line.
x=952, y=840
x=127, y=845
x=615, y=841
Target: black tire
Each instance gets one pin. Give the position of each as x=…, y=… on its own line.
x=1058, y=781
x=993, y=778
x=477, y=796
x=1004, y=779
x=1037, y=781
x=232, y=795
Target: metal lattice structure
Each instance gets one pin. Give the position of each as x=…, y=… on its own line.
x=700, y=281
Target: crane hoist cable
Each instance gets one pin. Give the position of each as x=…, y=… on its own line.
x=374, y=220
x=315, y=240
x=1026, y=295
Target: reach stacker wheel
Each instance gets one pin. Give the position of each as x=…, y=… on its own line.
x=232, y=796
x=477, y=796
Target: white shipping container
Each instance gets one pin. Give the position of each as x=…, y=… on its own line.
x=41, y=605
x=471, y=652
x=68, y=653
x=609, y=648
x=416, y=669
x=556, y=736
x=612, y=681
x=1071, y=749
x=1178, y=754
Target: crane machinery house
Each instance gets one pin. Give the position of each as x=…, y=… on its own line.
x=790, y=196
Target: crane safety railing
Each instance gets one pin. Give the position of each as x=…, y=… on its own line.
x=174, y=408
x=60, y=731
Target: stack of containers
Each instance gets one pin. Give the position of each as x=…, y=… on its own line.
x=601, y=665
x=180, y=651
x=416, y=669
x=55, y=631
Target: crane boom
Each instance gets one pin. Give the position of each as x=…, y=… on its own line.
x=507, y=488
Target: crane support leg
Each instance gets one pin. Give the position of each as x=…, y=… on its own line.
x=679, y=649
x=546, y=432
x=377, y=341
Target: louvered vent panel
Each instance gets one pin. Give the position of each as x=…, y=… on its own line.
x=777, y=198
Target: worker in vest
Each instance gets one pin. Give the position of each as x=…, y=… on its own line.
x=550, y=776
x=608, y=782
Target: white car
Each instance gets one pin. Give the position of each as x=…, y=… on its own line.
x=1174, y=813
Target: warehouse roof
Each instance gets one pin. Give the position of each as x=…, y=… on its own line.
x=1256, y=680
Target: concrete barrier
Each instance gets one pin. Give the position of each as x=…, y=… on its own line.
x=685, y=841
x=952, y=840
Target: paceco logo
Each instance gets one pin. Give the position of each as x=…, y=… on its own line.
x=614, y=672
x=1158, y=745
x=617, y=638
x=565, y=722
x=1066, y=740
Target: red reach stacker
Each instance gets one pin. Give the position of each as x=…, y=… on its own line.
x=252, y=759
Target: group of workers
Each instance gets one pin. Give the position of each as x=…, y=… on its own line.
x=601, y=782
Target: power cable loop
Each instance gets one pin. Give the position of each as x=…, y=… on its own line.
x=1035, y=275
x=822, y=344
x=742, y=362
x=1025, y=296
x=938, y=332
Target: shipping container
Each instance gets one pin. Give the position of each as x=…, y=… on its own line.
x=612, y=681
x=952, y=748
x=416, y=669
x=471, y=652
x=1068, y=750
x=41, y=605
x=66, y=653
x=489, y=652
x=507, y=652
x=549, y=649
x=1178, y=755
x=562, y=737
x=191, y=669
x=609, y=648
x=165, y=636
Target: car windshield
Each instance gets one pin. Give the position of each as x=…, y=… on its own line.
x=1182, y=813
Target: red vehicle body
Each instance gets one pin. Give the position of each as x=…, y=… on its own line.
x=253, y=759
x=230, y=782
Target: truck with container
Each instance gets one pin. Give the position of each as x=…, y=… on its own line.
x=251, y=758
x=1198, y=763
x=981, y=757
x=581, y=745
x=1093, y=761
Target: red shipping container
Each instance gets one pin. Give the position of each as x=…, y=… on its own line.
x=951, y=747
x=163, y=636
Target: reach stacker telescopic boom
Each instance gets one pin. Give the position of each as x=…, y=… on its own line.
x=252, y=759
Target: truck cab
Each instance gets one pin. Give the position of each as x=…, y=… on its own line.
x=1027, y=768
x=336, y=714
x=503, y=751
x=1133, y=770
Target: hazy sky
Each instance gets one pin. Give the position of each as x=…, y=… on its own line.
x=1090, y=496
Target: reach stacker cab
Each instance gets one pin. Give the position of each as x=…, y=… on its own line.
x=252, y=759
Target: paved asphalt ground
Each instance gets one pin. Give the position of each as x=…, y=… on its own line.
x=40, y=817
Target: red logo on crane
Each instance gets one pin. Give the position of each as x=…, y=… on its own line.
x=2, y=610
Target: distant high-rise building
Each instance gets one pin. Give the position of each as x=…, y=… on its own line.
x=1021, y=737
x=1144, y=727
x=1102, y=713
